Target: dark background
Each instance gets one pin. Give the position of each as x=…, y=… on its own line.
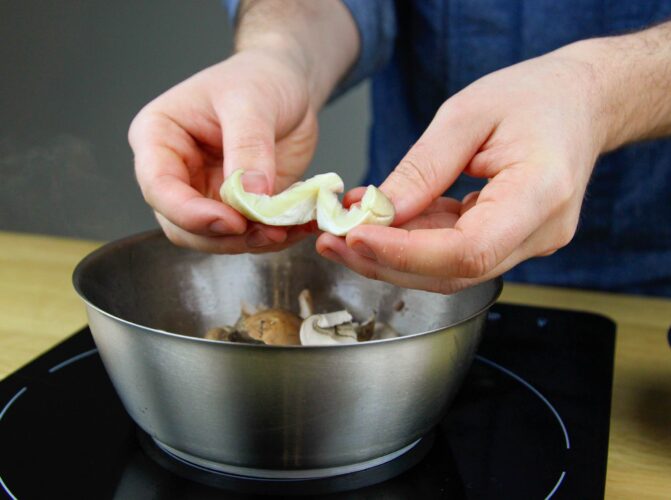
x=73, y=74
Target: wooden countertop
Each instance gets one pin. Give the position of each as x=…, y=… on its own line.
x=39, y=308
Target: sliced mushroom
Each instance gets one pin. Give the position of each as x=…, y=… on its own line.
x=272, y=326
x=230, y=334
x=306, y=304
x=365, y=330
x=328, y=329
x=384, y=331
x=218, y=333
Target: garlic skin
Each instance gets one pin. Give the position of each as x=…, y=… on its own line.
x=315, y=198
x=293, y=206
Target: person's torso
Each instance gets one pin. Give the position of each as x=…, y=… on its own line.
x=623, y=242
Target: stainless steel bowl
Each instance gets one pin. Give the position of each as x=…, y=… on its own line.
x=272, y=411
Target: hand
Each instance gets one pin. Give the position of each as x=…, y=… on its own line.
x=534, y=131
x=252, y=111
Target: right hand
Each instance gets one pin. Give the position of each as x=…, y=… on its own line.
x=251, y=111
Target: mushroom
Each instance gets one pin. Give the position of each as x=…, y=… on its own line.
x=366, y=329
x=384, y=331
x=328, y=329
x=218, y=333
x=306, y=304
x=271, y=326
x=230, y=334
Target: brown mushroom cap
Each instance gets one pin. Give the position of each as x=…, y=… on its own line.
x=273, y=326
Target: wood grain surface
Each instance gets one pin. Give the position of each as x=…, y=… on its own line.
x=39, y=308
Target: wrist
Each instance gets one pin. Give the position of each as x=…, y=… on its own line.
x=629, y=82
x=319, y=40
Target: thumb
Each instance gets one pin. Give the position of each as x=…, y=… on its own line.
x=435, y=161
x=249, y=143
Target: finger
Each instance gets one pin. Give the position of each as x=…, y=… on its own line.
x=442, y=213
x=235, y=244
x=469, y=201
x=163, y=152
x=438, y=157
x=353, y=196
x=249, y=143
x=336, y=250
x=443, y=204
x=483, y=237
x=437, y=220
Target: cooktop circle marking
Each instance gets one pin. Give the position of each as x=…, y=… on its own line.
x=554, y=490
x=71, y=360
x=482, y=359
x=2, y=414
x=532, y=389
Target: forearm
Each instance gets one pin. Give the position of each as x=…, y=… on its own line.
x=319, y=37
x=631, y=76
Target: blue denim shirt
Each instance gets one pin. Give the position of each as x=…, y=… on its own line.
x=420, y=52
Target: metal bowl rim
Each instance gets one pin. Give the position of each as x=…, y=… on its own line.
x=135, y=238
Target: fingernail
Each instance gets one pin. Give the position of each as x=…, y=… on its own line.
x=255, y=181
x=331, y=255
x=220, y=227
x=363, y=250
x=257, y=239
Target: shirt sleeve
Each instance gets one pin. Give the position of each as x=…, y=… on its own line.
x=231, y=7
x=376, y=22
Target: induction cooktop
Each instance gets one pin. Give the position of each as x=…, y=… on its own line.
x=530, y=421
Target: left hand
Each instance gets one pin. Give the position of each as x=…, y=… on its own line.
x=534, y=130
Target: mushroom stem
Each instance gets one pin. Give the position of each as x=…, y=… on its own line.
x=305, y=304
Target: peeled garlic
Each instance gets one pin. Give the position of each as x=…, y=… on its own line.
x=333, y=218
x=315, y=198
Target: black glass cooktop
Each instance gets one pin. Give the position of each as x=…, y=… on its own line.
x=531, y=421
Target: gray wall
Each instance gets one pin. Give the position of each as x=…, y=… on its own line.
x=73, y=75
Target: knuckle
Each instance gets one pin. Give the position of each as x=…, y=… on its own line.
x=399, y=259
x=175, y=237
x=455, y=109
x=251, y=144
x=138, y=125
x=564, y=190
x=370, y=272
x=566, y=233
x=418, y=169
x=448, y=286
x=477, y=260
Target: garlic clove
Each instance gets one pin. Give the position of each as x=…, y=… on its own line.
x=375, y=208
